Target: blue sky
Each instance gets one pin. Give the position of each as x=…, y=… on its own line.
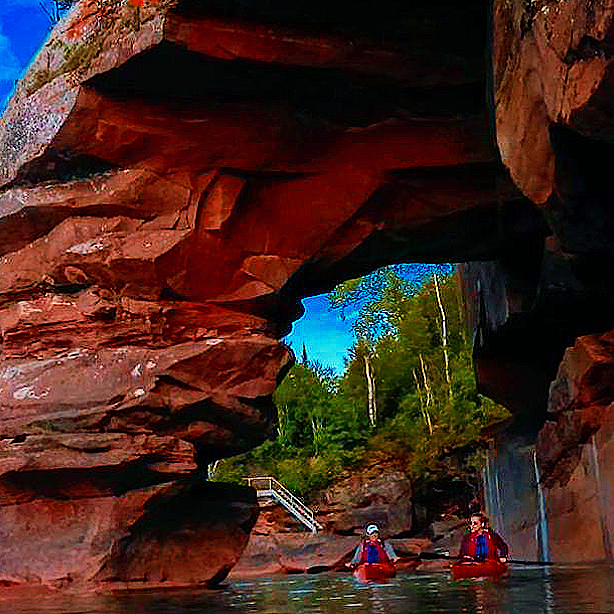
x=326, y=336
x=23, y=28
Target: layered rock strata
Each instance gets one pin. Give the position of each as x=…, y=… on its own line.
x=175, y=178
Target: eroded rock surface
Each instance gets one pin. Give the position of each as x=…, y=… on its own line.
x=574, y=450
x=552, y=80
x=175, y=177
x=288, y=553
x=552, y=66
x=552, y=498
x=379, y=492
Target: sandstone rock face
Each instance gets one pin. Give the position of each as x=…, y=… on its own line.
x=552, y=65
x=552, y=80
x=71, y=527
x=574, y=449
x=578, y=500
x=380, y=493
x=543, y=298
x=281, y=544
x=275, y=518
x=579, y=405
x=551, y=499
x=180, y=540
x=174, y=178
x=288, y=553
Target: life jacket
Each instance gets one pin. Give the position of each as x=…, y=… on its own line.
x=482, y=545
x=370, y=548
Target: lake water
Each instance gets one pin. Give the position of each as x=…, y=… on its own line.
x=524, y=591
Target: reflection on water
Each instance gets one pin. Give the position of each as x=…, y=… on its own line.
x=524, y=590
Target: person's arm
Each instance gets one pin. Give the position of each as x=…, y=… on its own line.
x=390, y=552
x=356, y=558
x=501, y=547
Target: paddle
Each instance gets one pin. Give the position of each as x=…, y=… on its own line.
x=522, y=562
x=320, y=568
x=447, y=557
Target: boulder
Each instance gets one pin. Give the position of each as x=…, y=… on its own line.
x=446, y=540
x=180, y=540
x=379, y=492
x=441, y=529
x=120, y=526
x=287, y=553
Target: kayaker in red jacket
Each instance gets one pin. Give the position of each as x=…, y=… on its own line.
x=373, y=550
x=482, y=543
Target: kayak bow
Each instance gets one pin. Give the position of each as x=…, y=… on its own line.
x=474, y=569
x=374, y=572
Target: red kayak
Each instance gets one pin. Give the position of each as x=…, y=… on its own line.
x=375, y=572
x=473, y=569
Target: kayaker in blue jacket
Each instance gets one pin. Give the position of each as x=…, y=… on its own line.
x=482, y=543
x=372, y=549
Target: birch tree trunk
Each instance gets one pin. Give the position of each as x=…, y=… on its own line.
x=372, y=403
x=212, y=468
x=423, y=411
x=315, y=428
x=429, y=395
x=444, y=336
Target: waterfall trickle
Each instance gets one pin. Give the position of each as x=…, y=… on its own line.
x=487, y=488
x=602, y=497
x=541, y=526
x=492, y=498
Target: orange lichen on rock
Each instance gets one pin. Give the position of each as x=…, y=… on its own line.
x=85, y=18
x=135, y=4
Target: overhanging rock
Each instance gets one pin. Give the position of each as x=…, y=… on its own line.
x=175, y=177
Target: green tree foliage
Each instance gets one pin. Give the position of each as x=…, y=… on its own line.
x=420, y=411
x=427, y=403
x=319, y=433
x=381, y=297
x=304, y=402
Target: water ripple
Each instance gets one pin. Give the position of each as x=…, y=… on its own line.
x=579, y=590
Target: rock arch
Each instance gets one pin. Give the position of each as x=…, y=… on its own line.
x=176, y=178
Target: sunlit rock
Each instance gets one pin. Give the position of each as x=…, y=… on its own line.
x=376, y=493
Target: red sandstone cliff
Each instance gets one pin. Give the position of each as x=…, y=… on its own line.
x=176, y=176
x=530, y=313
x=173, y=182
